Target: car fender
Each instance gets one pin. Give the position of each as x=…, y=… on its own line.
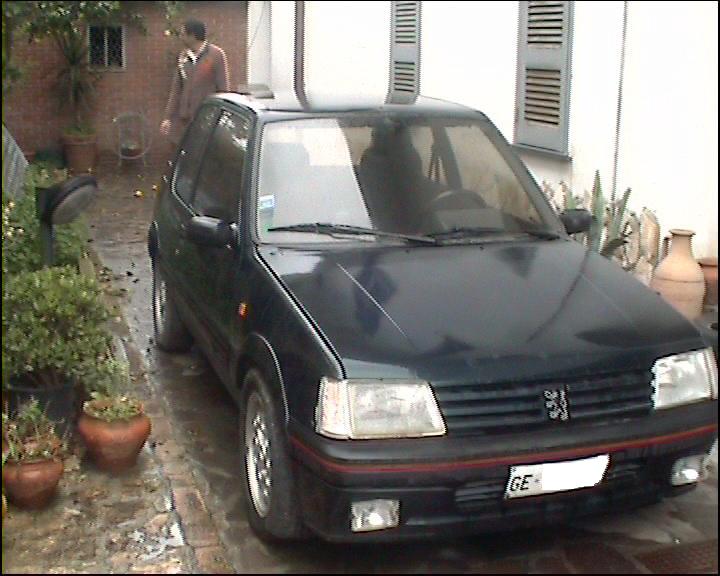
x=258, y=352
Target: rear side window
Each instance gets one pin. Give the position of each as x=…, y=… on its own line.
x=217, y=193
x=190, y=155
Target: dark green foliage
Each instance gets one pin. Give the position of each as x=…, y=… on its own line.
x=54, y=329
x=21, y=238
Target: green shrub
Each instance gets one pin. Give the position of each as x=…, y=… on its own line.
x=21, y=238
x=51, y=157
x=111, y=399
x=54, y=329
x=43, y=174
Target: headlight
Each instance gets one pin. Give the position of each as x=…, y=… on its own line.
x=684, y=378
x=363, y=409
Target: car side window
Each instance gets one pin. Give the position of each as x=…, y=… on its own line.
x=190, y=154
x=217, y=192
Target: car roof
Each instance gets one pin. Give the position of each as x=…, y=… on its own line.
x=287, y=102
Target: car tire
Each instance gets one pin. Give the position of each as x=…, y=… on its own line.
x=270, y=492
x=170, y=332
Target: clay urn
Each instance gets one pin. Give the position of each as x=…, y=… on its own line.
x=114, y=446
x=679, y=278
x=709, y=268
x=32, y=485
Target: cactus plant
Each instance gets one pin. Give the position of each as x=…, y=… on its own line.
x=606, y=235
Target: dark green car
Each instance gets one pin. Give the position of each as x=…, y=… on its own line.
x=416, y=344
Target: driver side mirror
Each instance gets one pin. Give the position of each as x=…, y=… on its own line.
x=577, y=220
x=208, y=231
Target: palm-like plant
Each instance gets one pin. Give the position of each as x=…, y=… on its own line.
x=66, y=22
x=76, y=81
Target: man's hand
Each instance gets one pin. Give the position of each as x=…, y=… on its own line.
x=165, y=126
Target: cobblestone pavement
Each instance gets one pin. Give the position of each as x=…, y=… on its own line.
x=675, y=536
x=103, y=524
x=151, y=520
x=99, y=524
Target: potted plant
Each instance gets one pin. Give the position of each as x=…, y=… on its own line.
x=54, y=339
x=65, y=22
x=113, y=424
x=76, y=86
x=32, y=455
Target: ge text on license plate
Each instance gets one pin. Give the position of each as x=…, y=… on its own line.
x=534, y=479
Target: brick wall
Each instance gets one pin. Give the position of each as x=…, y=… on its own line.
x=31, y=111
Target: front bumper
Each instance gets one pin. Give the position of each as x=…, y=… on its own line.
x=441, y=494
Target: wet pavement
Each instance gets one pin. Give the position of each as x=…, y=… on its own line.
x=99, y=524
x=676, y=536
x=103, y=524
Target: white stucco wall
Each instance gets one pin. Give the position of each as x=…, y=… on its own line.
x=594, y=77
x=271, y=44
x=467, y=54
x=347, y=48
x=669, y=141
x=259, y=43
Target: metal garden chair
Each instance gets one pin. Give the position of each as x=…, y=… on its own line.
x=133, y=137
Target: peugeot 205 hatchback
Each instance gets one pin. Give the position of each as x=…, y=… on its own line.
x=415, y=343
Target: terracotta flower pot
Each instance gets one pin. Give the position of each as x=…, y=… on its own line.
x=32, y=485
x=679, y=278
x=709, y=268
x=80, y=152
x=114, y=446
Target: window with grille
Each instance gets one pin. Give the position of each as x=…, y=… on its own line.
x=542, y=101
x=106, y=46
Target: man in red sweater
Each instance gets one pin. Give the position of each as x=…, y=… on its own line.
x=201, y=70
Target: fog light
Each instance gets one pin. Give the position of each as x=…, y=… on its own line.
x=688, y=470
x=374, y=515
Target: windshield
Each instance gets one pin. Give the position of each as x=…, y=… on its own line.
x=422, y=176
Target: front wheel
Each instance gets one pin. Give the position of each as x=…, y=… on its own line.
x=270, y=495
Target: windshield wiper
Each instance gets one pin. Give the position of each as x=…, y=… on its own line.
x=466, y=232
x=478, y=231
x=326, y=228
x=543, y=234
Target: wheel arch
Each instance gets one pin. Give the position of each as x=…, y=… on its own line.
x=258, y=353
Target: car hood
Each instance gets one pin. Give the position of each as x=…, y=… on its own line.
x=497, y=310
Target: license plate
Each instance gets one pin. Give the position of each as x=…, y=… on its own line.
x=534, y=479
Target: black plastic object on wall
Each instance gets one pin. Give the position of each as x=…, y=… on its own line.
x=61, y=204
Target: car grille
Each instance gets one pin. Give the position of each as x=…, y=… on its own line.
x=483, y=494
x=508, y=407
